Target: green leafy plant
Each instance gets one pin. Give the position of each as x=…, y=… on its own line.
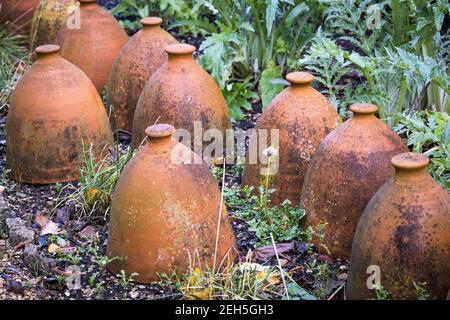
x=327, y=60
x=298, y=293
x=98, y=179
x=271, y=83
x=178, y=13
x=429, y=133
x=73, y=258
x=13, y=62
x=244, y=280
x=253, y=41
x=381, y=293
x=421, y=291
x=283, y=221
x=351, y=19
x=124, y=279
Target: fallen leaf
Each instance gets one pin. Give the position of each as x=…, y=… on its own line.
x=92, y=195
x=88, y=233
x=195, y=276
x=261, y=276
x=22, y=245
x=41, y=220
x=273, y=279
x=53, y=248
x=267, y=252
x=343, y=276
x=47, y=226
x=50, y=228
x=283, y=262
x=67, y=250
x=333, y=284
x=67, y=273
x=204, y=294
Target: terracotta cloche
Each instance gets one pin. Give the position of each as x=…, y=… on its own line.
x=18, y=13
x=92, y=42
x=181, y=93
x=48, y=19
x=303, y=117
x=137, y=61
x=405, y=232
x=54, y=111
x=166, y=213
x=350, y=165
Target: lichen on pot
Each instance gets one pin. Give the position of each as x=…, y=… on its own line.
x=92, y=42
x=181, y=93
x=405, y=233
x=55, y=110
x=48, y=19
x=350, y=165
x=138, y=60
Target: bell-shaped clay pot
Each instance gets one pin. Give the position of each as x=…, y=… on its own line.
x=48, y=19
x=91, y=40
x=55, y=110
x=137, y=61
x=404, y=236
x=351, y=164
x=18, y=13
x=302, y=118
x=165, y=213
x=181, y=93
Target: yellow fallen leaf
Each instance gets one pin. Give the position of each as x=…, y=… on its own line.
x=261, y=276
x=93, y=195
x=273, y=280
x=52, y=248
x=204, y=294
x=265, y=276
x=195, y=276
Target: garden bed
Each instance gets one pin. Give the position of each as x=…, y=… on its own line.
x=88, y=240
x=45, y=240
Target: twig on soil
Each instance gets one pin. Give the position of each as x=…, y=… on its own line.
x=22, y=245
x=279, y=266
x=336, y=291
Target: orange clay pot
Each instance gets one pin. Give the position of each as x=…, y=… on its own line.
x=404, y=230
x=180, y=92
x=18, y=13
x=48, y=19
x=165, y=215
x=351, y=164
x=54, y=109
x=136, y=63
x=95, y=45
x=303, y=117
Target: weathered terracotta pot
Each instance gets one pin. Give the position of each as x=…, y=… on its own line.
x=405, y=231
x=180, y=92
x=19, y=13
x=94, y=44
x=164, y=213
x=137, y=61
x=47, y=20
x=303, y=117
x=54, y=109
x=351, y=164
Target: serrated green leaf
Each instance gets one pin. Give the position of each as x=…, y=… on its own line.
x=267, y=89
